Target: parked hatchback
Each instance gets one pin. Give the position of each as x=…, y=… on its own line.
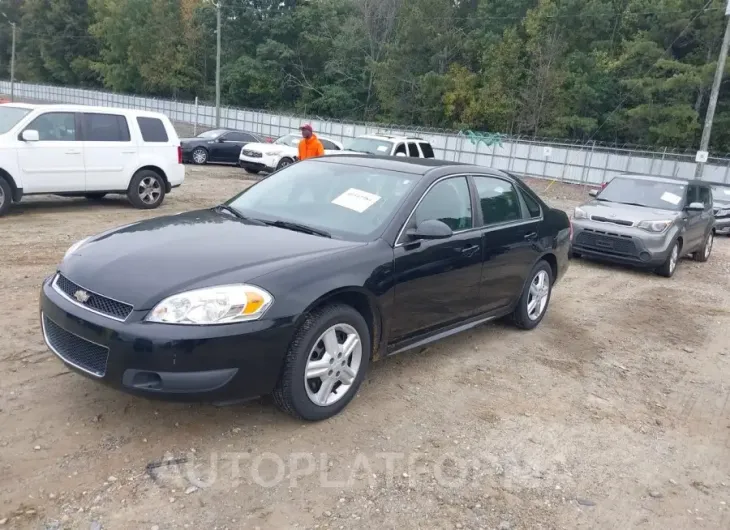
x=292, y=287
x=646, y=221
x=72, y=150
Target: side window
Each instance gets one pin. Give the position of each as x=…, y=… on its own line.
x=413, y=150
x=237, y=137
x=105, y=128
x=706, y=197
x=329, y=145
x=692, y=194
x=153, y=130
x=55, y=127
x=400, y=149
x=498, y=200
x=533, y=207
x=447, y=201
x=427, y=150
x=245, y=137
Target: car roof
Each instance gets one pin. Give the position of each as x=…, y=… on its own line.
x=414, y=166
x=390, y=138
x=64, y=107
x=666, y=180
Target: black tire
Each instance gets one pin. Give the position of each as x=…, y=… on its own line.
x=95, y=196
x=703, y=254
x=6, y=196
x=286, y=161
x=154, y=190
x=202, y=157
x=290, y=394
x=521, y=317
x=250, y=171
x=669, y=267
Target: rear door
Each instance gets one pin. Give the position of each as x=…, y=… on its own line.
x=509, y=235
x=55, y=163
x=109, y=153
x=437, y=281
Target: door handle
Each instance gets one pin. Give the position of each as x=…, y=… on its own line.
x=128, y=152
x=470, y=249
x=73, y=152
x=531, y=236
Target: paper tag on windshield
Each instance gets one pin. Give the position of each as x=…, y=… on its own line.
x=382, y=148
x=671, y=198
x=356, y=200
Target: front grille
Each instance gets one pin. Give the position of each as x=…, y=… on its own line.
x=614, y=221
x=609, y=244
x=252, y=154
x=74, y=350
x=96, y=302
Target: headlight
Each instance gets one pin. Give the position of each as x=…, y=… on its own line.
x=654, y=226
x=580, y=214
x=722, y=212
x=73, y=248
x=224, y=304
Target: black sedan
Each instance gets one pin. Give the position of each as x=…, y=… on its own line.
x=295, y=285
x=217, y=145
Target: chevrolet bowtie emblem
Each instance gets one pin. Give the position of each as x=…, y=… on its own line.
x=82, y=296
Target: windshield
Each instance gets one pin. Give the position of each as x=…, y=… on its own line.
x=348, y=202
x=721, y=193
x=292, y=140
x=215, y=133
x=370, y=145
x=10, y=116
x=649, y=193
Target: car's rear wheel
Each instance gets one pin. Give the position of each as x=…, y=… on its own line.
x=6, y=196
x=533, y=303
x=200, y=155
x=668, y=268
x=95, y=196
x=284, y=162
x=325, y=364
x=703, y=254
x=147, y=190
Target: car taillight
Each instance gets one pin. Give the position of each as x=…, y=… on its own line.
x=179, y=154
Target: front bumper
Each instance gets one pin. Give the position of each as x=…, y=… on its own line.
x=265, y=163
x=186, y=363
x=621, y=244
x=722, y=224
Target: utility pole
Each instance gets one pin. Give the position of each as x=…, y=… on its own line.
x=703, y=153
x=218, y=65
x=12, y=66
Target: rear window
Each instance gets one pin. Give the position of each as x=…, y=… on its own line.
x=427, y=151
x=153, y=130
x=413, y=151
x=105, y=128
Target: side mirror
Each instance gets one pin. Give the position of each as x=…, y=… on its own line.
x=593, y=193
x=695, y=207
x=431, y=229
x=29, y=135
x=401, y=154
x=221, y=140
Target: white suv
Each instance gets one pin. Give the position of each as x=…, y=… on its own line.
x=390, y=146
x=75, y=150
x=257, y=157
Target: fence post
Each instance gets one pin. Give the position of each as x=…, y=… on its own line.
x=511, y=147
x=195, y=123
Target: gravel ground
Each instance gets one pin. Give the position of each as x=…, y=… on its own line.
x=612, y=415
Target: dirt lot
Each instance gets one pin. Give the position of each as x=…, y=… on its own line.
x=612, y=415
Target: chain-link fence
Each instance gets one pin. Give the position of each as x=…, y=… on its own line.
x=591, y=163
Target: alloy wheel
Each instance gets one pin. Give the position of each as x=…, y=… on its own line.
x=2, y=197
x=149, y=190
x=199, y=156
x=708, y=245
x=333, y=365
x=538, y=296
x=673, y=258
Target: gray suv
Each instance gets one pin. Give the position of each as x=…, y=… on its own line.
x=721, y=205
x=646, y=221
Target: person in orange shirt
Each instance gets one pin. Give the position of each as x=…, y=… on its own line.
x=309, y=146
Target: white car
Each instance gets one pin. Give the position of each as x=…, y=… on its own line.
x=255, y=158
x=390, y=146
x=76, y=150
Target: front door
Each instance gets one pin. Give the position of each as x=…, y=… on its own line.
x=509, y=237
x=694, y=232
x=229, y=145
x=110, y=156
x=437, y=281
x=55, y=163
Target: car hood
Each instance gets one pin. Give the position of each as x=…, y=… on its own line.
x=723, y=205
x=271, y=148
x=627, y=212
x=144, y=262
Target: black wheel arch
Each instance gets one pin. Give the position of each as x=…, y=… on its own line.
x=17, y=192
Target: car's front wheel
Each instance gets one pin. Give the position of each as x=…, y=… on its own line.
x=668, y=268
x=284, y=162
x=6, y=196
x=325, y=364
x=147, y=190
x=533, y=303
x=703, y=254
